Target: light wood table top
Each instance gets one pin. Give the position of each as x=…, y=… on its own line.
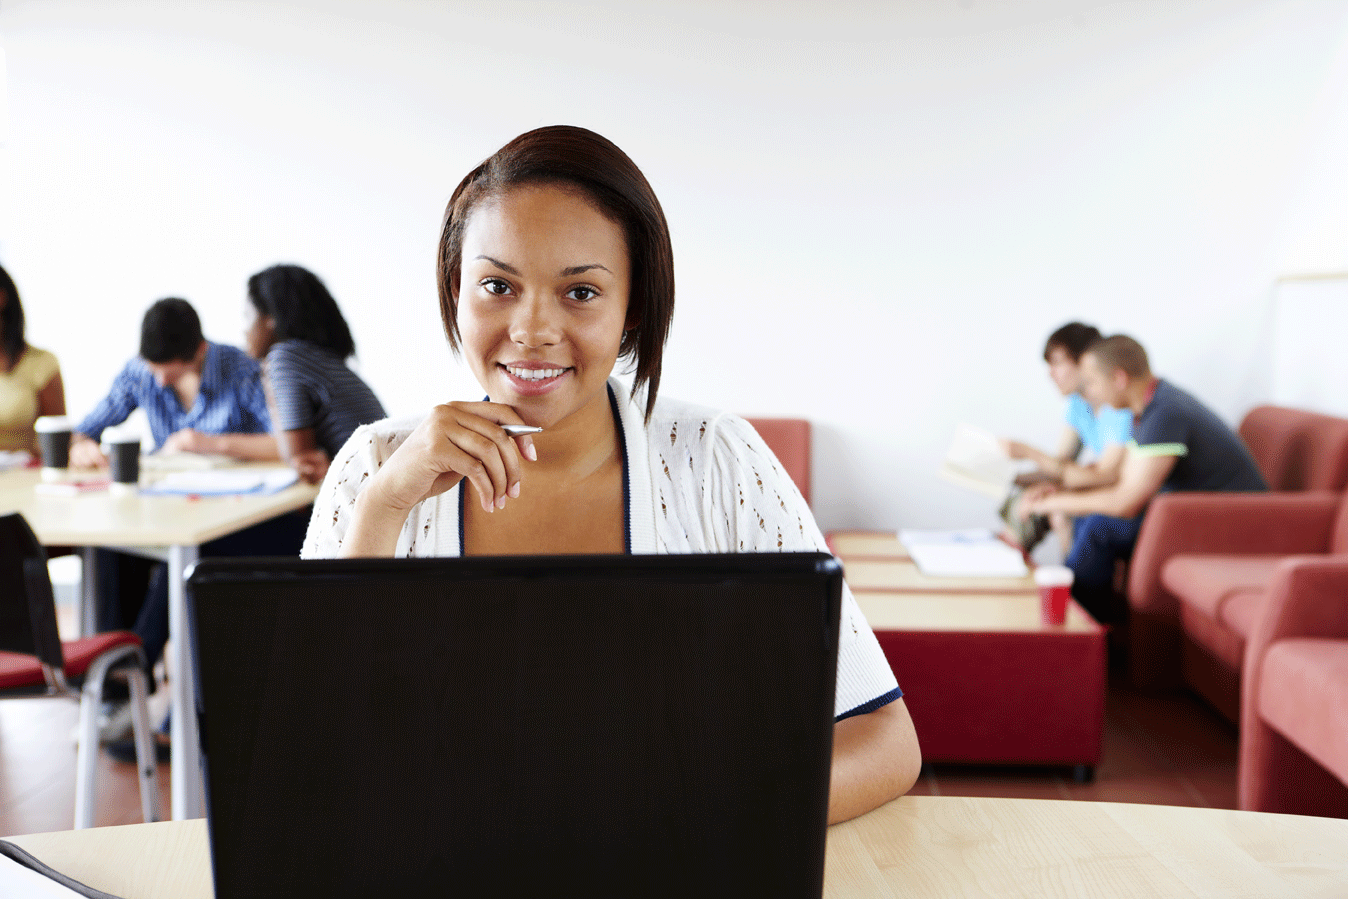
x=898, y=575
x=867, y=545
x=103, y=518
x=974, y=613
x=916, y=846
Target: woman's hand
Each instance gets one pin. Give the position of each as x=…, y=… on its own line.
x=1015, y=449
x=456, y=441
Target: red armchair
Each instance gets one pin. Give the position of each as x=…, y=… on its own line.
x=1199, y=574
x=789, y=440
x=1294, y=718
x=1296, y=449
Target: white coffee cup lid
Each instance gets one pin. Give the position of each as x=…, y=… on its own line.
x=121, y=434
x=1053, y=575
x=51, y=424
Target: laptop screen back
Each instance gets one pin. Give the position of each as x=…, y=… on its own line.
x=612, y=726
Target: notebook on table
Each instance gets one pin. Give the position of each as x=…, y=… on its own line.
x=588, y=725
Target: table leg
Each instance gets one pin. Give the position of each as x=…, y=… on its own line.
x=88, y=591
x=186, y=774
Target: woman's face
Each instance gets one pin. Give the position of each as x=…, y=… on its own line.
x=259, y=331
x=542, y=301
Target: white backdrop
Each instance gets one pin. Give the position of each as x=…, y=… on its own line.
x=879, y=210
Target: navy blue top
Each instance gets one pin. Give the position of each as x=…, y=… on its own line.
x=314, y=388
x=1208, y=454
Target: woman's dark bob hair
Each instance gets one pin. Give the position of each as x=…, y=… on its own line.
x=568, y=156
x=300, y=308
x=11, y=320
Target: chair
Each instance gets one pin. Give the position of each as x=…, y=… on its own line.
x=35, y=662
x=1200, y=579
x=1296, y=449
x=789, y=440
x=1294, y=708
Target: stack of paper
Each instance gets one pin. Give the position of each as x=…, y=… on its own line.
x=224, y=482
x=968, y=553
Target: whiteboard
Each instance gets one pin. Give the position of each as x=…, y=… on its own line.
x=1310, y=344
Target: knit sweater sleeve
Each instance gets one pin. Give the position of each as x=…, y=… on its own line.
x=752, y=505
x=359, y=458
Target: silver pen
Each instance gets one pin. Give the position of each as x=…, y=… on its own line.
x=520, y=430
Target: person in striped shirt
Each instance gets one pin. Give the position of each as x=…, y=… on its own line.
x=315, y=399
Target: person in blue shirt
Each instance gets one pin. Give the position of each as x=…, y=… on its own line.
x=199, y=396
x=1092, y=447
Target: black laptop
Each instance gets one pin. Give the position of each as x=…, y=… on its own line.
x=526, y=726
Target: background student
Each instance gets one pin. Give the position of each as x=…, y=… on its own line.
x=30, y=378
x=1178, y=444
x=198, y=396
x=315, y=399
x=1090, y=450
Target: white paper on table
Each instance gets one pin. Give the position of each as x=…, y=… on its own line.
x=224, y=482
x=25, y=883
x=974, y=552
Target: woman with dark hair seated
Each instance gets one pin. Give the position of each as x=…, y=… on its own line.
x=30, y=378
x=555, y=263
x=316, y=400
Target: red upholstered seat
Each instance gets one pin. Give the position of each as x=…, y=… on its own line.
x=18, y=670
x=1208, y=580
x=1304, y=695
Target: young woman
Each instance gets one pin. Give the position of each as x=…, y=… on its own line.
x=316, y=401
x=30, y=378
x=555, y=262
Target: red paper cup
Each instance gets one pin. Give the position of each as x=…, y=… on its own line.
x=1055, y=588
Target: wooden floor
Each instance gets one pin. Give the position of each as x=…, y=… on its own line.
x=1169, y=750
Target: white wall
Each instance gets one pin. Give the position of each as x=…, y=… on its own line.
x=879, y=210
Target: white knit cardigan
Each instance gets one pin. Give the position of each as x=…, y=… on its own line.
x=698, y=481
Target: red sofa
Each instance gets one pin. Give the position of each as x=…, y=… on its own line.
x=1294, y=719
x=789, y=440
x=1296, y=449
x=1203, y=560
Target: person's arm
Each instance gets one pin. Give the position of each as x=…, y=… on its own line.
x=1103, y=472
x=1069, y=445
x=300, y=449
x=51, y=399
x=1139, y=480
x=457, y=441
x=875, y=759
x=246, y=447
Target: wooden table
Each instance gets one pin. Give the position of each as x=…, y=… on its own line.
x=916, y=846
x=984, y=678
x=168, y=528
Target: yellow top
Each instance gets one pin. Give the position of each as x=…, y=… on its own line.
x=19, y=388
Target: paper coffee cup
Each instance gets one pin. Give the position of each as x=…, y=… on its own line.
x=123, y=449
x=53, y=440
x=1055, y=588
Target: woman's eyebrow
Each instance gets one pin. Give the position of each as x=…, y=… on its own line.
x=510, y=269
x=581, y=269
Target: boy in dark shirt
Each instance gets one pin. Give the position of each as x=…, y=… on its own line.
x=1178, y=444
